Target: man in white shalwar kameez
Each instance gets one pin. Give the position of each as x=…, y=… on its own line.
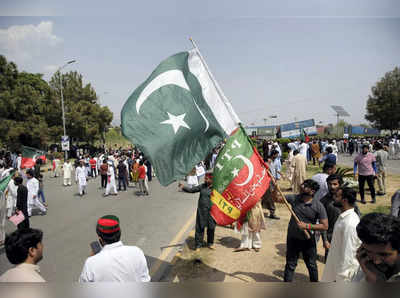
x=342, y=264
x=11, y=195
x=81, y=177
x=111, y=180
x=19, y=162
x=251, y=229
x=67, y=167
x=33, y=188
x=56, y=171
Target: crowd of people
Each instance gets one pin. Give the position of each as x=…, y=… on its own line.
x=324, y=208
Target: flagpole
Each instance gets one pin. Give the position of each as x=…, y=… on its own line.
x=287, y=203
x=217, y=87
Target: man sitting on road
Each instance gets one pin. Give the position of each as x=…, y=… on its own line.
x=115, y=261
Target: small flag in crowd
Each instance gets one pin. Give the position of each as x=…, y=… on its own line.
x=4, y=183
x=239, y=181
x=177, y=116
x=29, y=156
x=304, y=136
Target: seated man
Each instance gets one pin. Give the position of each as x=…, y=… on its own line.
x=25, y=250
x=379, y=254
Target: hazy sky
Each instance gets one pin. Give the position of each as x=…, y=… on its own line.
x=289, y=58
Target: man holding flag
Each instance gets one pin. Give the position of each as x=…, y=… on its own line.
x=176, y=118
x=178, y=115
x=203, y=217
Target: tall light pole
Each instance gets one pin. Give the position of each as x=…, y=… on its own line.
x=62, y=100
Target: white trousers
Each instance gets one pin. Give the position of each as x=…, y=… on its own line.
x=3, y=214
x=249, y=239
x=11, y=202
x=34, y=202
x=82, y=188
x=111, y=185
x=67, y=181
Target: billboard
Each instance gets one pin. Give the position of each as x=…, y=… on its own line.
x=292, y=130
x=360, y=130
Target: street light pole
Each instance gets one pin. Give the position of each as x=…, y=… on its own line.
x=62, y=101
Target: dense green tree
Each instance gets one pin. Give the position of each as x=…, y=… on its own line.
x=85, y=119
x=383, y=105
x=31, y=114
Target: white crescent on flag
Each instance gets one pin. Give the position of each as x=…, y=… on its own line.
x=250, y=167
x=170, y=77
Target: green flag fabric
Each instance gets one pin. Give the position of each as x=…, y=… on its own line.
x=4, y=182
x=178, y=115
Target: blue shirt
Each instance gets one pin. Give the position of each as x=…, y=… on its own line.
x=329, y=158
x=275, y=167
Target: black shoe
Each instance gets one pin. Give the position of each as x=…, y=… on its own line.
x=273, y=216
x=363, y=202
x=373, y=201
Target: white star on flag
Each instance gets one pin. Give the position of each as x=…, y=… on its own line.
x=235, y=172
x=176, y=121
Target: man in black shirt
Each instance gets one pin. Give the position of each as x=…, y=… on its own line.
x=22, y=202
x=308, y=211
x=334, y=183
x=203, y=216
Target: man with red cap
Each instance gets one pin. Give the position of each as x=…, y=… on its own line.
x=115, y=261
x=203, y=217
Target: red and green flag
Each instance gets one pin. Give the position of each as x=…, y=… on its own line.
x=29, y=156
x=304, y=136
x=240, y=179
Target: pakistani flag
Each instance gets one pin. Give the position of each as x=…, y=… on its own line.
x=29, y=156
x=178, y=115
x=239, y=181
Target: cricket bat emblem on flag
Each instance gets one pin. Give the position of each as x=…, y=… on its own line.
x=239, y=181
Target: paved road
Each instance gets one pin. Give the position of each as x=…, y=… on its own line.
x=393, y=166
x=148, y=222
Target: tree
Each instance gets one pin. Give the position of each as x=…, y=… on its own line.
x=22, y=107
x=31, y=114
x=85, y=120
x=383, y=105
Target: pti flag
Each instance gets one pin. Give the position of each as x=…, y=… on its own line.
x=303, y=136
x=29, y=156
x=178, y=115
x=240, y=179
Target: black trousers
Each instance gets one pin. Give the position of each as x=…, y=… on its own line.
x=93, y=172
x=267, y=201
x=309, y=250
x=329, y=237
x=121, y=180
x=104, y=181
x=361, y=184
x=24, y=224
x=199, y=235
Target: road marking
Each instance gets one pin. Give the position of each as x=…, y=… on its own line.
x=156, y=266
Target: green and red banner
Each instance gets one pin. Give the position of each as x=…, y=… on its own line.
x=29, y=156
x=240, y=179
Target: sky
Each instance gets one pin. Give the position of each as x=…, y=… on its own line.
x=287, y=58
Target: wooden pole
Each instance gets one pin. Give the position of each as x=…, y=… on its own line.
x=287, y=203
